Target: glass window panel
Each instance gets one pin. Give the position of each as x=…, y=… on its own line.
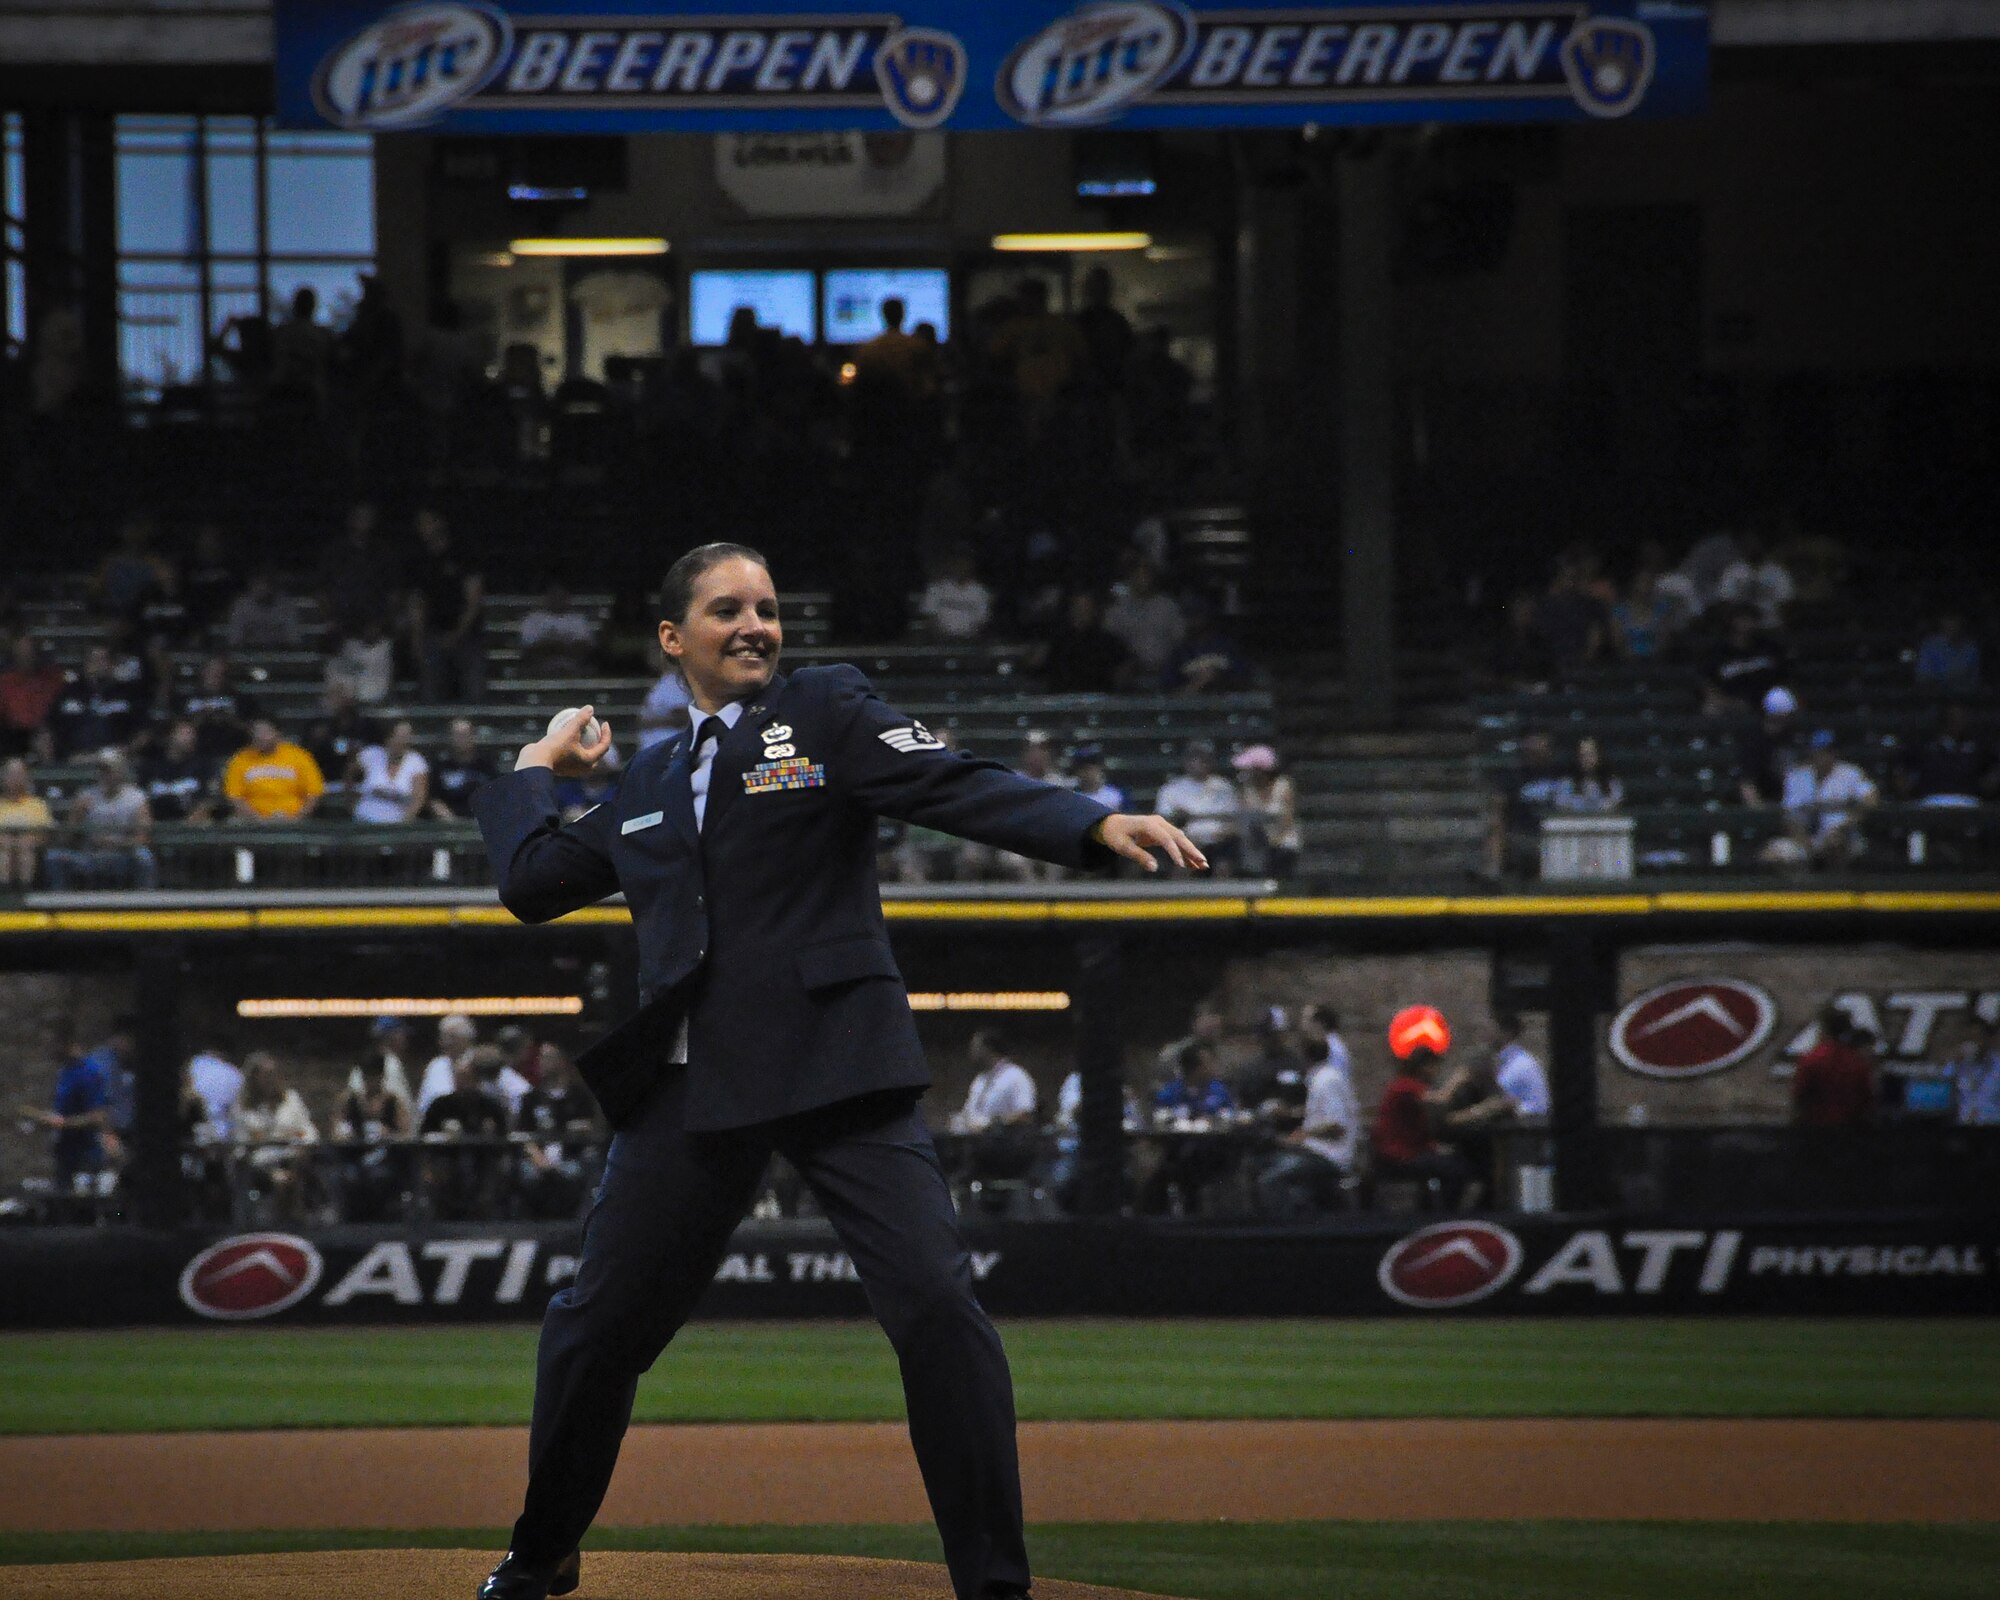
x=13, y=175
x=232, y=135
x=322, y=203
x=156, y=201
x=232, y=202
x=159, y=338
x=229, y=274
x=17, y=302
x=159, y=275
x=318, y=144
x=335, y=282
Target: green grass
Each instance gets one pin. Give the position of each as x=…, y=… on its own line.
x=765, y=1372
x=1308, y=1561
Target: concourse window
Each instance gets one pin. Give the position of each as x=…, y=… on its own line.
x=13, y=208
x=221, y=218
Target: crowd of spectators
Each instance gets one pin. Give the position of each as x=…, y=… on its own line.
x=1725, y=613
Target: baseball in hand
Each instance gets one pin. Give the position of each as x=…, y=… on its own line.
x=561, y=720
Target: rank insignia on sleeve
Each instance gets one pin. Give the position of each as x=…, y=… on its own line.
x=793, y=772
x=911, y=739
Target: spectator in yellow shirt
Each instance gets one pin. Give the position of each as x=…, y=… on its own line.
x=271, y=779
x=25, y=825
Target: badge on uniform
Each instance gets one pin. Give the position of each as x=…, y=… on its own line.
x=911, y=739
x=772, y=776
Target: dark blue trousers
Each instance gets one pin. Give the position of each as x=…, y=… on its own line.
x=669, y=1202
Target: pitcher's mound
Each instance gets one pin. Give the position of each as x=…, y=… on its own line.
x=455, y=1575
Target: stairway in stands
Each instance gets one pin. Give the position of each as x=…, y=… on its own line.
x=1408, y=803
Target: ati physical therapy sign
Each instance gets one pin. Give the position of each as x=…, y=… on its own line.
x=598, y=66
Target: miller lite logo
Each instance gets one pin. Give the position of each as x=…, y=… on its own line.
x=412, y=66
x=250, y=1275
x=1094, y=63
x=1692, y=1028
x=1449, y=1264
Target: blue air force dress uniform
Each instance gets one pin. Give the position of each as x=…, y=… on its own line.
x=773, y=1017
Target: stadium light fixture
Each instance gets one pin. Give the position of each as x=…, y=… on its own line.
x=491, y=1005
x=588, y=247
x=1058, y=243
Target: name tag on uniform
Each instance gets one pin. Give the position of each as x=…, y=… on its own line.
x=652, y=819
x=794, y=772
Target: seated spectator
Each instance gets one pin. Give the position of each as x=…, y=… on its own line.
x=219, y=1082
x=1515, y=1069
x=1825, y=801
x=1833, y=1085
x=557, y=639
x=271, y=779
x=220, y=711
x=448, y=620
x=112, y=826
x=29, y=689
x=1748, y=662
x=365, y=664
x=1514, y=832
x=134, y=571
x=1470, y=1106
x=459, y=773
x=390, y=782
x=1087, y=773
x=1208, y=660
x=96, y=711
x=1768, y=749
x=179, y=779
x=1954, y=766
x=1147, y=623
x=341, y=733
x=560, y=1119
x=955, y=604
x=1756, y=579
x=1205, y=805
x=1273, y=1082
x=263, y=618
x=456, y=1036
x=25, y=825
x=1404, y=1140
x=1206, y=1026
x=977, y=861
x=1701, y=569
x=1268, y=804
x=509, y=1072
x=1589, y=788
x=273, y=1130
x=1975, y=1079
x=1317, y=1157
x=464, y=1184
x=1644, y=620
x=1195, y=1089
x=370, y=1117
x=1082, y=657
x=664, y=711
x=1574, y=624
x=999, y=1112
x=1948, y=656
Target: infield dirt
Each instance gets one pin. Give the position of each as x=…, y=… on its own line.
x=1778, y=1470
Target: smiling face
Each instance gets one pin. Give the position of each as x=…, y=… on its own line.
x=728, y=642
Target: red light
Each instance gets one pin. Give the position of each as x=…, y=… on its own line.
x=1416, y=1026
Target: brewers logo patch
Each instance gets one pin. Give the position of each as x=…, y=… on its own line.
x=794, y=772
x=911, y=739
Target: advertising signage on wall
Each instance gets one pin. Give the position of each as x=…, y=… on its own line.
x=593, y=66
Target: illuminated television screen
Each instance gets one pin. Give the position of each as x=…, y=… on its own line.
x=781, y=299
x=851, y=300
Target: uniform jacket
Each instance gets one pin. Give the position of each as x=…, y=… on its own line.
x=763, y=930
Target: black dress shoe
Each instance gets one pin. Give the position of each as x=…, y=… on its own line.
x=515, y=1579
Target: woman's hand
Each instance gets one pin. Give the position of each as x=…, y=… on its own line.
x=1136, y=838
x=564, y=750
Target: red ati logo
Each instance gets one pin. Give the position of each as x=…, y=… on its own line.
x=1449, y=1264
x=1682, y=1030
x=251, y=1275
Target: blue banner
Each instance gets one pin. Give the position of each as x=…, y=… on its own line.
x=608, y=66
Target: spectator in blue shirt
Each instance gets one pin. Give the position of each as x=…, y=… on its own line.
x=113, y=1059
x=1198, y=1091
x=79, y=1116
x=1948, y=657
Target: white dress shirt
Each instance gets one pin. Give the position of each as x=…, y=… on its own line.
x=1002, y=1093
x=1330, y=1100
x=1521, y=1079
